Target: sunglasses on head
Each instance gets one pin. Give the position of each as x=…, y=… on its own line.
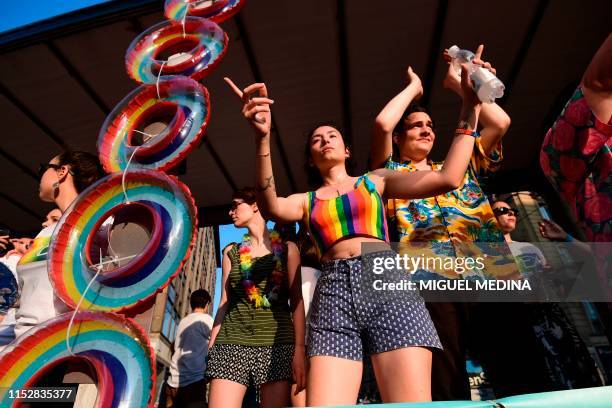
x=505, y=210
x=45, y=166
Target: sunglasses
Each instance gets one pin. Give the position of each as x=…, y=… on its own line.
x=235, y=205
x=505, y=210
x=46, y=166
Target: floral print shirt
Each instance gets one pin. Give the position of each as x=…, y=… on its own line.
x=576, y=157
x=450, y=222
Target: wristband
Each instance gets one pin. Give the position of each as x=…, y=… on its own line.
x=569, y=238
x=470, y=132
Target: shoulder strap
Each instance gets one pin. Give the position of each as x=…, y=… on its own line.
x=233, y=251
x=310, y=202
x=368, y=183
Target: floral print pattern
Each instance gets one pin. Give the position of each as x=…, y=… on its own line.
x=460, y=216
x=576, y=157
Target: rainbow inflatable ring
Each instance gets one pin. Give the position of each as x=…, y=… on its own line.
x=163, y=206
x=184, y=102
x=117, y=348
x=165, y=50
x=217, y=11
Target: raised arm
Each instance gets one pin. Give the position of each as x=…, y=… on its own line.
x=423, y=184
x=570, y=151
x=388, y=118
x=597, y=82
x=256, y=111
x=226, y=266
x=554, y=232
x=493, y=119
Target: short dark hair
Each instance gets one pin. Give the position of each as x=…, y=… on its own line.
x=314, y=177
x=84, y=167
x=413, y=107
x=247, y=194
x=199, y=298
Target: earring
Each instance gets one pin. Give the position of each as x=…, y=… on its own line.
x=56, y=185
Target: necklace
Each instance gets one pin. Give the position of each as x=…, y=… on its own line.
x=335, y=186
x=276, y=278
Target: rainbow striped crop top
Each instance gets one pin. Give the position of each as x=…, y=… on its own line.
x=359, y=212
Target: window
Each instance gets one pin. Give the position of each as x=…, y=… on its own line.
x=171, y=316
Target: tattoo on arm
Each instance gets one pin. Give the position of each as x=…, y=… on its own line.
x=268, y=184
x=466, y=119
x=463, y=124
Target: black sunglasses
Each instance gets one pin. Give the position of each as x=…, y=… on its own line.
x=45, y=166
x=235, y=204
x=505, y=210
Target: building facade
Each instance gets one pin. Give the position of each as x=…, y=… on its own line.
x=172, y=304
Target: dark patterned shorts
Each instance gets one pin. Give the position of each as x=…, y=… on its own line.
x=250, y=364
x=348, y=322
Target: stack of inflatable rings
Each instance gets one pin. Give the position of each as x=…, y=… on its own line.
x=206, y=41
x=188, y=103
x=171, y=211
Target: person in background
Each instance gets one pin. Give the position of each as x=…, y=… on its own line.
x=448, y=221
x=186, y=386
x=258, y=333
x=576, y=157
x=52, y=217
x=576, y=154
x=9, y=291
x=542, y=337
x=61, y=181
x=11, y=259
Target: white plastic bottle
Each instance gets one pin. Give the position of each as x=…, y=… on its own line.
x=486, y=85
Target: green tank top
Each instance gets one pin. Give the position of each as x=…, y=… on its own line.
x=243, y=323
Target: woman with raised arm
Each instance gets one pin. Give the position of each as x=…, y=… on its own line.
x=443, y=224
x=341, y=215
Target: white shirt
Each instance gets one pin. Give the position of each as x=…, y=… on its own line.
x=529, y=259
x=190, y=349
x=38, y=302
x=309, y=282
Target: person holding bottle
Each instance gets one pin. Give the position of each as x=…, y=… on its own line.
x=445, y=221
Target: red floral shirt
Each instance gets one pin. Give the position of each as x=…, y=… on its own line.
x=577, y=158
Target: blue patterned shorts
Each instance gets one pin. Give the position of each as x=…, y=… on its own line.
x=346, y=322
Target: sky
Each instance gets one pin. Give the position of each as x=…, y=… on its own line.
x=16, y=14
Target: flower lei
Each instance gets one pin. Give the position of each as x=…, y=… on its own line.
x=276, y=278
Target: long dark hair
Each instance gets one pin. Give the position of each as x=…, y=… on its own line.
x=314, y=177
